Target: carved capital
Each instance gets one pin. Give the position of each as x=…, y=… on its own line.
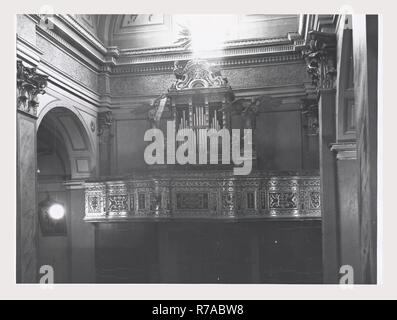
x=105, y=120
x=320, y=56
x=29, y=85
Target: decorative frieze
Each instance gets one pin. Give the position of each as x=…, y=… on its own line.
x=203, y=194
x=30, y=84
x=167, y=64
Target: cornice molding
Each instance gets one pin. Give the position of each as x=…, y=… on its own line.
x=292, y=38
x=325, y=22
x=92, y=61
x=78, y=43
x=160, y=60
x=345, y=151
x=73, y=38
x=74, y=184
x=71, y=24
x=27, y=51
x=167, y=66
x=287, y=91
x=70, y=20
x=69, y=84
x=290, y=44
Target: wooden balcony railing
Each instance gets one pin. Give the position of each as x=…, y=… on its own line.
x=203, y=195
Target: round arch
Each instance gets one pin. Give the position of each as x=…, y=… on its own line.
x=80, y=144
x=73, y=109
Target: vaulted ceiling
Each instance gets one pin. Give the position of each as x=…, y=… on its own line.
x=135, y=31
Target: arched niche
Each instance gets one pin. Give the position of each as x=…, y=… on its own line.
x=63, y=130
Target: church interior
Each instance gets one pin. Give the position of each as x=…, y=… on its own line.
x=299, y=90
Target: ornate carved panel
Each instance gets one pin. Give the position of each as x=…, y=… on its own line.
x=117, y=199
x=215, y=195
x=197, y=74
x=192, y=201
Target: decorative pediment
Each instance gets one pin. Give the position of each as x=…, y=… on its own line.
x=197, y=74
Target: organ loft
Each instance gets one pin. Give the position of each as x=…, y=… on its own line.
x=157, y=148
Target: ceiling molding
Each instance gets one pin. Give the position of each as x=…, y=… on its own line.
x=167, y=64
x=69, y=84
x=28, y=52
x=74, y=39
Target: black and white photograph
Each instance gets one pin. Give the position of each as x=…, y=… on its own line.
x=196, y=148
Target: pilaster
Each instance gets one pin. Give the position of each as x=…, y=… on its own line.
x=29, y=85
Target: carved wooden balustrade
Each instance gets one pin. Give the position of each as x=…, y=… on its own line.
x=203, y=195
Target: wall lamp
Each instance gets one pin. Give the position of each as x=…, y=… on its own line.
x=52, y=217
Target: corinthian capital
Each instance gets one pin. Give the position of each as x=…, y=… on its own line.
x=29, y=85
x=321, y=60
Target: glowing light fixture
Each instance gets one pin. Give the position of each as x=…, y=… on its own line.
x=52, y=217
x=56, y=211
x=208, y=32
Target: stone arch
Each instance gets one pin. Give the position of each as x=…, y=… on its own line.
x=65, y=121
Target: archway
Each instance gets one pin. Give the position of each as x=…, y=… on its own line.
x=65, y=153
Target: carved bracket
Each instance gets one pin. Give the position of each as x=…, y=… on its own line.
x=29, y=85
x=310, y=113
x=320, y=56
x=105, y=120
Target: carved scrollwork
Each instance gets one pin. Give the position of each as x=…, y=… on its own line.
x=197, y=74
x=320, y=59
x=105, y=120
x=29, y=85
